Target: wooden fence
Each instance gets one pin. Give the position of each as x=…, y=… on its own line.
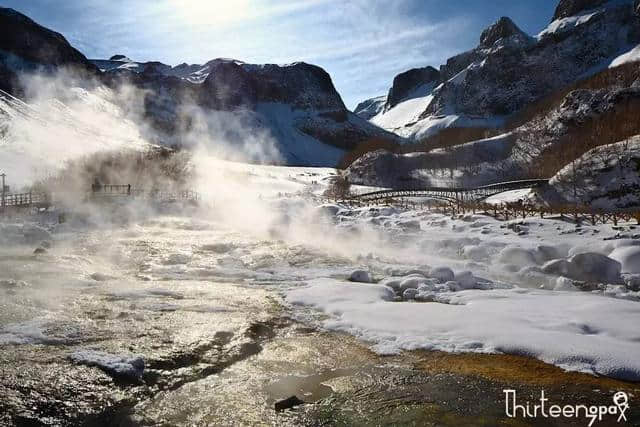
x=510, y=211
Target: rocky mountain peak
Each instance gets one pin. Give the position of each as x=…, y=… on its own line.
x=501, y=29
x=405, y=83
x=24, y=38
x=568, y=8
x=119, y=57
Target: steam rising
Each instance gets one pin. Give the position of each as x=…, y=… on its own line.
x=71, y=129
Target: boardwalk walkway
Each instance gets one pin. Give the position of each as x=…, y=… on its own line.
x=451, y=194
x=101, y=193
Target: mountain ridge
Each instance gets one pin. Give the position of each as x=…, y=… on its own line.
x=295, y=106
x=509, y=69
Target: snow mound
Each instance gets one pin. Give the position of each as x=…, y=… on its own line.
x=588, y=266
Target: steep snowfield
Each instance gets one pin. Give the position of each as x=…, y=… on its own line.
x=295, y=147
x=407, y=118
x=36, y=139
x=405, y=112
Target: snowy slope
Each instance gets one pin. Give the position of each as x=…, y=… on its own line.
x=37, y=138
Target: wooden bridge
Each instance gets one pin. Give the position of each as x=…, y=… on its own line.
x=99, y=193
x=451, y=194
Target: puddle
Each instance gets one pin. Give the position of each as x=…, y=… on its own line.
x=310, y=388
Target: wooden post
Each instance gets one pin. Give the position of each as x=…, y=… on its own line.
x=3, y=175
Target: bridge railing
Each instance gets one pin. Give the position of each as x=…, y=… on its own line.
x=118, y=190
x=453, y=193
x=23, y=199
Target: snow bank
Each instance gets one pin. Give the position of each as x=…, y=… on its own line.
x=128, y=367
x=575, y=331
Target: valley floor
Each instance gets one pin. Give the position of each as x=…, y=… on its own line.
x=197, y=320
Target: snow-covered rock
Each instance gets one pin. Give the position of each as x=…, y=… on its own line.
x=119, y=366
x=443, y=274
x=596, y=267
x=361, y=276
x=575, y=330
x=628, y=257
x=564, y=284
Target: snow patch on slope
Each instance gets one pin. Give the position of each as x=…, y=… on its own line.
x=632, y=55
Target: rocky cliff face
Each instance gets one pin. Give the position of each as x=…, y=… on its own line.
x=406, y=83
x=295, y=103
x=568, y=8
x=509, y=70
x=28, y=46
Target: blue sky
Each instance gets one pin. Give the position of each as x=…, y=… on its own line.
x=363, y=44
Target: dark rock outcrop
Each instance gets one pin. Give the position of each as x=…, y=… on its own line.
x=369, y=108
x=405, y=83
x=502, y=29
x=29, y=41
x=568, y=8
x=27, y=46
x=288, y=403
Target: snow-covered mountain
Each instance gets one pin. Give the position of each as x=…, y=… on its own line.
x=509, y=69
x=295, y=106
x=602, y=112
x=289, y=114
